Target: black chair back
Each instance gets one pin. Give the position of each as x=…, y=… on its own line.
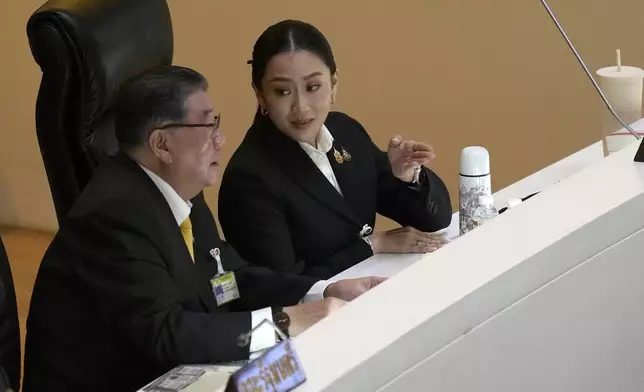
x=86, y=49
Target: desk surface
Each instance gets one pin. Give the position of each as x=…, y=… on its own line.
x=390, y=264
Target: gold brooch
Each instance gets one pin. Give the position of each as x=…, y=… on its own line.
x=338, y=157
x=346, y=155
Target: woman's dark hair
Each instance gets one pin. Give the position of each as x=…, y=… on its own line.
x=288, y=36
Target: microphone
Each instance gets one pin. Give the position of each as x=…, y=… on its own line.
x=639, y=157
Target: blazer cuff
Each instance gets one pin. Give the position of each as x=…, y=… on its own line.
x=264, y=337
x=317, y=291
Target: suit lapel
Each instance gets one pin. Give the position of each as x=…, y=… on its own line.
x=204, y=266
x=172, y=233
x=295, y=163
x=348, y=178
x=206, y=238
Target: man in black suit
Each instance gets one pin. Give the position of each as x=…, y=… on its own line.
x=126, y=290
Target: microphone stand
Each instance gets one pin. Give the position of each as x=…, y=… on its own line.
x=639, y=156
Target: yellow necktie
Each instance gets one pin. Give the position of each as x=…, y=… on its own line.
x=186, y=232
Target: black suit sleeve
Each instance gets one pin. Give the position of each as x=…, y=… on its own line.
x=426, y=207
x=132, y=289
x=262, y=287
x=259, y=286
x=254, y=221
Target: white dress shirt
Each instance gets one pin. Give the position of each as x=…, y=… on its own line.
x=264, y=337
x=318, y=155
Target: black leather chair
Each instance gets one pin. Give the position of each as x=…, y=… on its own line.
x=86, y=49
x=10, y=364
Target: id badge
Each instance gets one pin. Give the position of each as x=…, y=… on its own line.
x=224, y=287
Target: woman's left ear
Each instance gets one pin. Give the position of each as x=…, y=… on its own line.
x=260, y=97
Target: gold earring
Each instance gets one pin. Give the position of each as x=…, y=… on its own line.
x=332, y=99
x=263, y=111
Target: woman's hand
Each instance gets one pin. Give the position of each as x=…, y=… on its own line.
x=407, y=240
x=406, y=155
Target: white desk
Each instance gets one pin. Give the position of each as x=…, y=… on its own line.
x=518, y=304
x=390, y=264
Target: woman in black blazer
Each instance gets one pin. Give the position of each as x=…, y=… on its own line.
x=302, y=191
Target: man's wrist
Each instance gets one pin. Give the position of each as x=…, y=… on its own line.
x=281, y=320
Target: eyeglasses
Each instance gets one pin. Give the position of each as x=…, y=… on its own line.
x=213, y=125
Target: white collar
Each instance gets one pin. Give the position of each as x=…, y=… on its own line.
x=324, y=141
x=180, y=208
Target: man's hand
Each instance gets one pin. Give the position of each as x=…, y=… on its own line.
x=308, y=313
x=349, y=289
x=336, y=296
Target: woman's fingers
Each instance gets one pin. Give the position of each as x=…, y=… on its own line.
x=409, y=240
x=428, y=242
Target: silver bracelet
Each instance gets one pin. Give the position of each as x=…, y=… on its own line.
x=368, y=241
x=417, y=170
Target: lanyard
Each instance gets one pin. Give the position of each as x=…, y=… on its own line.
x=216, y=254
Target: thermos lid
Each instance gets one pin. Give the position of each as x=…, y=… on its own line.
x=475, y=161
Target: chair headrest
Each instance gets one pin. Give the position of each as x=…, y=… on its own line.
x=108, y=41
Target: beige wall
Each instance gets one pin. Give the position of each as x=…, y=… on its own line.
x=452, y=73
